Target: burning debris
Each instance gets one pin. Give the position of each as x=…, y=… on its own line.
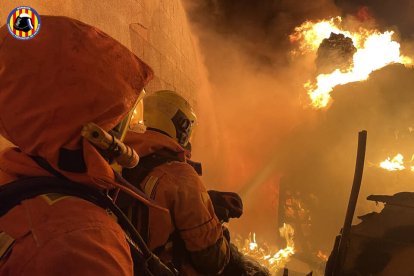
x=374, y=50
x=335, y=52
x=273, y=260
x=294, y=209
x=382, y=244
x=381, y=104
x=320, y=168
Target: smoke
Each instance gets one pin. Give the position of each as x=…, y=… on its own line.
x=387, y=13
x=258, y=31
x=257, y=93
x=270, y=146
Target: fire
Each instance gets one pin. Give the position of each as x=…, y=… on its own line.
x=394, y=164
x=310, y=34
x=262, y=254
x=374, y=50
x=322, y=256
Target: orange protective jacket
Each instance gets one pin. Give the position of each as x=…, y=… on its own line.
x=176, y=186
x=68, y=75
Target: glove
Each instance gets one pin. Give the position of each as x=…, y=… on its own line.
x=226, y=205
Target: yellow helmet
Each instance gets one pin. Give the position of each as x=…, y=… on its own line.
x=167, y=112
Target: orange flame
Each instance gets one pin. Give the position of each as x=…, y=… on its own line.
x=374, y=51
x=394, y=164
x=262, y=254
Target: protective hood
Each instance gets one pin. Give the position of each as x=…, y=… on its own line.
x=68, y=75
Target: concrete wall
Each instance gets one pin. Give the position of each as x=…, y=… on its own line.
x=155, y=30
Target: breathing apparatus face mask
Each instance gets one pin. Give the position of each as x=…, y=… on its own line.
x=134, y=121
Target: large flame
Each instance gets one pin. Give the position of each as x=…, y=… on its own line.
x=374, y=51
x=393, y=164
x=264, y=255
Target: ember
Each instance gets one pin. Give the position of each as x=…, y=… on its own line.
x=374, y=50
x=322, y=256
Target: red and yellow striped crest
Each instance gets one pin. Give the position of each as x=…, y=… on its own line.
x=33, y=16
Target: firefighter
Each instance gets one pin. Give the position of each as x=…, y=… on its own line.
x=192, y=237
x=70, y=74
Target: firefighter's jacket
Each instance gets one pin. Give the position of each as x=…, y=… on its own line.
x=68, y=75
x=176, y=186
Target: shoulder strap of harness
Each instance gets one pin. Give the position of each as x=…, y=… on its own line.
x=146, y=164
x=137, y=212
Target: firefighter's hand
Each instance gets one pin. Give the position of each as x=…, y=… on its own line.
x=227, y=205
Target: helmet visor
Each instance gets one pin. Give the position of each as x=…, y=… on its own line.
x=132, y=121
x=136, y=123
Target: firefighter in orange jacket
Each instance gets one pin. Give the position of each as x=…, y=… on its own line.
x=70, y=74
x=192, y=237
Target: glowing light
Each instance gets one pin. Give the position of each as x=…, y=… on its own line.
x=322, y=256
x=374, y=51
x=253, y=245
x=264, y=255
x=394, y=164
